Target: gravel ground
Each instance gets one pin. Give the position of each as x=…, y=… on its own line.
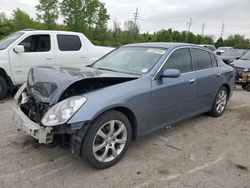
x=200, y=152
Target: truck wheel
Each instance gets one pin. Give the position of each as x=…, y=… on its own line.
x=3, y=88
x=248, y=87
x=243, y=86
x=220, y=102
x=107, y=140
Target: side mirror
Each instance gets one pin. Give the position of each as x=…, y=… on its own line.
x=171, y=73
x=19, y=49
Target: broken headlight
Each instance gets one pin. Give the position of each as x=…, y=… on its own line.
x=63, y=111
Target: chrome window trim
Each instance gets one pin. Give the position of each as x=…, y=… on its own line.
x=181, y=47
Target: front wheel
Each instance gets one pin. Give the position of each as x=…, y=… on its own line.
x=220, y=102
x=3, y=88
x=107, y=140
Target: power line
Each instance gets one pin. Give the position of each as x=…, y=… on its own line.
x=136, y=16
x=189, y=27
x=222, y=30
x=203, y=29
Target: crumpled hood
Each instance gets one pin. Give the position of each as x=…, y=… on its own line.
x=242, y=63
x=46, y=84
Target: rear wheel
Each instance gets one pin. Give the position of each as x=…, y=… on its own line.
x=243, y=86
x=107, y=140
x=220, y=102
x=248, y=87
x=3, y=88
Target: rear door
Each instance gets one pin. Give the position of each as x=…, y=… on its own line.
x=173, y=98
x=38, y=51
x=208, y=77
x=70, y=51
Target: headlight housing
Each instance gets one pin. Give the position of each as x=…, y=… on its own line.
x=63, y=111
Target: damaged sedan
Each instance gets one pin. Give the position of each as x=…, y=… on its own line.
x=133, y=91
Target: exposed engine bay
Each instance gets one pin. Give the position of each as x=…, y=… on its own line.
x=35, y=109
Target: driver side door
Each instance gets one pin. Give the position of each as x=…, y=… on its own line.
x=173, y=98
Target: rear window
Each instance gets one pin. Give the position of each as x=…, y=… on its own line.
x=201, y=59
x=214, y=60
x=69, y=42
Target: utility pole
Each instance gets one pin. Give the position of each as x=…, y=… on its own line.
x=189, y=27
x=203, y=28
x=136, y=16
x=222, y=30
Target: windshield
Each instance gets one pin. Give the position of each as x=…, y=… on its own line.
x=246, y=57
x=221, y=48
x=234, y=53
x=4, y=43
x=132, y=60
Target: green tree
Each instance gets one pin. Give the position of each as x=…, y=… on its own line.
x=237, y=41
x=6, y=25
x=131, y=31
x=48, y=12
x=219, y=43
x=21, y=20
x=87, y=16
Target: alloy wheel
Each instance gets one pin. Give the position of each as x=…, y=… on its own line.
x=221, y=101
x=109, y=141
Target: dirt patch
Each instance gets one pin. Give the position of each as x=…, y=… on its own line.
x=244, y=113
x=241, y=167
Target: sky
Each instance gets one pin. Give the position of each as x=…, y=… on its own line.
x=155, y=15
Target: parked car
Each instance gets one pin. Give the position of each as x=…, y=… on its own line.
x=208, y=46
x=221, y=50
x=131, y=92
x=231, y=55
x=23, y=49
x=242, y=65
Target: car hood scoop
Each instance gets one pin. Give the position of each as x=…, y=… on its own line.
x=47, y=84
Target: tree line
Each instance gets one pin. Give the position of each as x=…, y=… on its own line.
x=90, y=17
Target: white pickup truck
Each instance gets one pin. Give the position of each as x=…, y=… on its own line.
x=26, y=48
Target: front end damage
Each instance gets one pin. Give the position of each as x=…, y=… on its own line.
x=41, y=101
x=28, y=114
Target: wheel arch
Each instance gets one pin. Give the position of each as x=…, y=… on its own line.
x=127, y=112
x=228, y=89
x=6, y=78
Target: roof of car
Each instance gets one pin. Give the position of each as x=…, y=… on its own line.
x=47, y=31
x=160, y=44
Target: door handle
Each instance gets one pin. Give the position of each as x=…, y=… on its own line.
x=49, y=58
x=219, y=74
x=192, y=81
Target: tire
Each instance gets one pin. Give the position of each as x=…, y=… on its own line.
x=3, y=88
x=243, y=86
x=110, y=146
x=248, y=87
x=220, y=99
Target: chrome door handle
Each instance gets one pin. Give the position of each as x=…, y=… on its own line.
x=192, y=81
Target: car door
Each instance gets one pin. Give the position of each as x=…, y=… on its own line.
x=70, y=51
x=209, y=78
x=173, y=98
x=38, y=51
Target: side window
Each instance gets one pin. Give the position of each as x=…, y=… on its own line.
x=202, y=59
x=36, y=43
x=214, y=61
x=69, y=42
x=181, y=60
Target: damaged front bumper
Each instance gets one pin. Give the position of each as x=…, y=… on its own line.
x=44, y=135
